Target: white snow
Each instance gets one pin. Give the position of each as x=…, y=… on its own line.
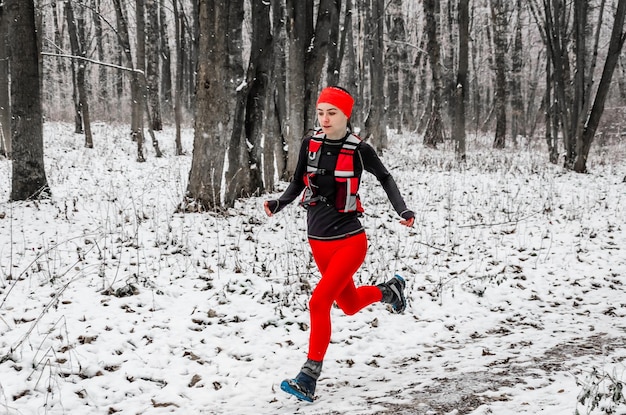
x=515, y=273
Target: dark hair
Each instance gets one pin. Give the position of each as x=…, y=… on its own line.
x=341, y=88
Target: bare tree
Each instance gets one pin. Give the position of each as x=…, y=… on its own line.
x=236, y=175
x=166, y=62
x=179, y=82
x=137, y=85
x=499, y=21
x=214, y=106
x=585, y=138
x=75, y=28
x=299, y=32
x=152, y=64
x=551, y=118
x=59, y=84
x=376, y=122
x=576, y=114
x=259, y=78
x=143, y=104
x=315, y=58
x=5, y=102
x=276, y=150
x=337, y=44
x=458, y=130
x=621, y=79
x=349, y=74
x=517, y=64
x=395, y=57
x=136, y=99
x=29, y=176
x=102, y=87
x=434, y=133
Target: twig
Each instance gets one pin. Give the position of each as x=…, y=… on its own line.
x=511, y=222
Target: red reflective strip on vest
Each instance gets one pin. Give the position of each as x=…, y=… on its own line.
x=314, y=146
x=345, y=163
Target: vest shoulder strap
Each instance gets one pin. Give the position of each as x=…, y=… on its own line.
x=353, y=140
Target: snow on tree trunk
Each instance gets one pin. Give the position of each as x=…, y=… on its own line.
x=214, y=109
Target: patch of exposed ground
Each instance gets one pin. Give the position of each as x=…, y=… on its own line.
x=465, y=392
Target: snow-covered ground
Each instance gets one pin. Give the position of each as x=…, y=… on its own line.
x=112, y=302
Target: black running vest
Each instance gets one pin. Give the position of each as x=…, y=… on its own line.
x=346, y=180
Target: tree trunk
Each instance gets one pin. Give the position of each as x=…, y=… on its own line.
x=144, y=101
x=137, y=87
x=214, y=106
x=179, y=81
x=152, y=64
x=276, y=150
x=237, y=178
x=136, y=123
x=77, y=43
x=434, y=133
x=260, y=75
x=362, y=33
x=498, y=17
x=349, y=74
x=194, y=29
x=166, y=61
x=120, y=79
x=448, y=63
x=476, y=93
x=461, y=81
x=376, y=122
x=315, y=59
x=395, y=58
x=518, y=120
x=298, y=30
x=103, y=80
x=28, y=173
x=551, y=130
x=60, y=86
x=531, y=109
x=621, y=78
x=424, y=97
x=409, y=75
x=337, y=44
x=5, y=101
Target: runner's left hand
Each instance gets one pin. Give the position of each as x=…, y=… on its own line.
x=408, y=222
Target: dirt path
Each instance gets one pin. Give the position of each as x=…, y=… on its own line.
x=465, y=392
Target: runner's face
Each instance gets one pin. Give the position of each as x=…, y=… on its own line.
x=334, y=123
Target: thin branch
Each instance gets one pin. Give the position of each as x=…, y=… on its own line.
x=110, y=65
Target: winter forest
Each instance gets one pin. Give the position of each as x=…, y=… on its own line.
x=139, y=139
x=246, y=74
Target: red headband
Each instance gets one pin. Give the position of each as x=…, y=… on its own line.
x=337, y=97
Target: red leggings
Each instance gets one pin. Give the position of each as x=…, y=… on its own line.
x=337, y=261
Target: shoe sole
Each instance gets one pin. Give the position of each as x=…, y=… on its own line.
x=291, y=388
x=399, y=294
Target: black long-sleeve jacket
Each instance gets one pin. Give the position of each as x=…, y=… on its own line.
x=323, y=220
